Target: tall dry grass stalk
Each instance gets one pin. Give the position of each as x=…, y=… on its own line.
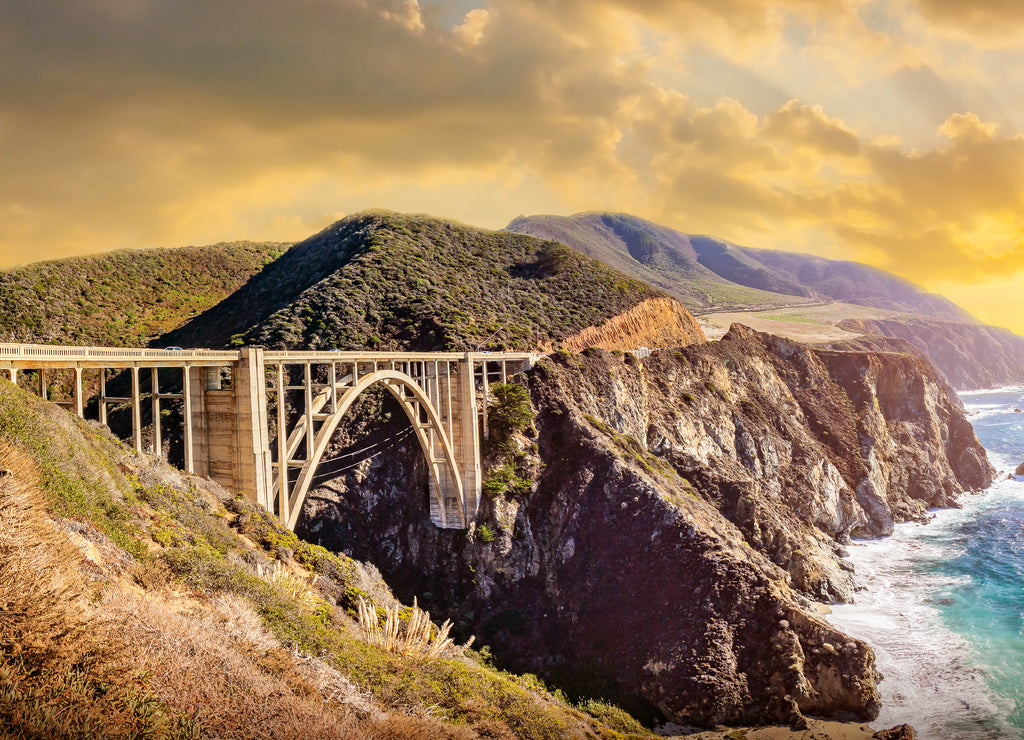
x=293, y=586
x=416, y=639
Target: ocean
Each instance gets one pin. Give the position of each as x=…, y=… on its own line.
x=942, y=604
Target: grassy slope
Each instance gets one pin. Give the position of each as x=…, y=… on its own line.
x=386, y=280
x=123, y=298
x=655, y=254
x=857, y=283
x=133, y=607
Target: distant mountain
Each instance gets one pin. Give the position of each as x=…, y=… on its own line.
x=839, y=280
x=704, y=272
x=661, y=257
x=389, y=281
x=123, y=298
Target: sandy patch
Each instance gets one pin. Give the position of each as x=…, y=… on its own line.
x=819, y=730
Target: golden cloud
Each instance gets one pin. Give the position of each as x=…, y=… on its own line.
x=181, y=121
x=996, y=19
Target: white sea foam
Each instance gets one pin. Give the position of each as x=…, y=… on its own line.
x=932, y=678
x=929, y=680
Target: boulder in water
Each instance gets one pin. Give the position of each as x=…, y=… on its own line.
x=900, y=732
x=1019, y=470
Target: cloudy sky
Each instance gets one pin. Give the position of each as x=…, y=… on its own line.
x=886, y=131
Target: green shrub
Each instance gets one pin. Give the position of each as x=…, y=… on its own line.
x=485, y=533
x=505, y=480
x=509, y=411
x=614, y=717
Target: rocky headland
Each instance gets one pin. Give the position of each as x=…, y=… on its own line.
x=972, y=356
x=660, y=530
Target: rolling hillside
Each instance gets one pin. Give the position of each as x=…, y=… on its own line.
x=387, y=280
x=123, y=298
x=659, y=256
x=706, y=273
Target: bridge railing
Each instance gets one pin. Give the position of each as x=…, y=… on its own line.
x=53, y=353
x=326, y=356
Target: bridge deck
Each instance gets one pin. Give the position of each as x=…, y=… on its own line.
x=35, y=356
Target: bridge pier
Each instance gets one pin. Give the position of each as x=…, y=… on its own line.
x=468, y=440
x=235, y=446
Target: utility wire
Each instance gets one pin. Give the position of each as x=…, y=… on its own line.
x=395, y=439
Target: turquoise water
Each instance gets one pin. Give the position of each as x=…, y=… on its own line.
x=943, y=603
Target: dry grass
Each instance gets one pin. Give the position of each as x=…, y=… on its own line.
x=154, y=664
x=215, y=662
x=56, y=675
x=416, y=639
x=296, y=587
x=41, y=597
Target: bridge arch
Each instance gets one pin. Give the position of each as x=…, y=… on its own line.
x=445, y=480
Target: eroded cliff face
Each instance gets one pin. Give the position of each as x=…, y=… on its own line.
x=972, y=356
x=655, y=322
x=669, y=519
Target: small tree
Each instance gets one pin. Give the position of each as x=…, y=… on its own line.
x=510, y=410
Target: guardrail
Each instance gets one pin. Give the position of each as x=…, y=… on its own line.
x=274, y=356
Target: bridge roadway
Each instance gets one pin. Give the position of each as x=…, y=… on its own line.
x=231, y=410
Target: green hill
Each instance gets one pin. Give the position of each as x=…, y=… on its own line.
x=387, y=280
x=123, y=298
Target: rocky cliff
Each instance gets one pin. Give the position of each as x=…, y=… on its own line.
x=972, y=356
x=656, y=322
x=657, y=532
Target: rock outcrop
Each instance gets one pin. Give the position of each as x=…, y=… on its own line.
x=656, y=322
x=659, y=539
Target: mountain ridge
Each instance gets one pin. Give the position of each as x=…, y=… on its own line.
x=684, y=262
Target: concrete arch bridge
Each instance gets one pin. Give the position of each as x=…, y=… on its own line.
x=230, y=408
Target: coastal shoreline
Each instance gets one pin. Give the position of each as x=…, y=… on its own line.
x=818, y=729
x=914, y=600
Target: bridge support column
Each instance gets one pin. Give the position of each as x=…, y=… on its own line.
x=158, y=442
x=79, y=400
x=233, y=422
x=284, y=490
x=253, y=474
x=189, y=420
x=136, y=412
x=103, y=396
x=468, y=450
x=195, y=384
